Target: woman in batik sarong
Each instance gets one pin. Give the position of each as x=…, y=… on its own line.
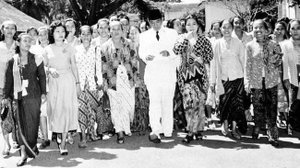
x=196, y=51
x=230, y=53
x=119, y=68
x=25, y=83
x=263, y=60
x=7, y=50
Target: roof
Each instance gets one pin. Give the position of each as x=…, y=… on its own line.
x=23, y=21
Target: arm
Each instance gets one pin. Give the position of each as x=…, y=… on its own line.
x=98, y=66
x=242, y=54
x=203, y=49
x=8, y=89
x=74, y=69
x=42, y=78
x=247, y=67
x=285, y=63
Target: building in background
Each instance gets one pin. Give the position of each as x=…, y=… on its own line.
x=285, y=10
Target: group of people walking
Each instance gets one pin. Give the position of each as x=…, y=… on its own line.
x=114, y=77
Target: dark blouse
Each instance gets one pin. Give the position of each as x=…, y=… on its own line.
x=35, y=74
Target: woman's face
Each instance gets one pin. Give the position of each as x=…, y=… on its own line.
x=192, y=25
x=33, y=35
x=25, y=42
x=86, y=35
x=9, y=30
x=259, y=30
x=125, y=24
x=95, y=32
x=134, y=33
x=216, y=30
x=59, y=34
x=295, y=30
x=143, y=26
x=238, y=24
x=177, y=26
x=43, y=36
x=103, y=29
x=279, y=30
x=116, y=30
x=226, y=29
x=71, y=28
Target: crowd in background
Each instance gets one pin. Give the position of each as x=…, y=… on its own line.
x=113, y=78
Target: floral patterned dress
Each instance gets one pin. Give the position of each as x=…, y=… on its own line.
x=193, y=79
x=120, y=73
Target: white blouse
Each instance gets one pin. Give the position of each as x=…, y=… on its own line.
x=89, y=65
x=5, y=55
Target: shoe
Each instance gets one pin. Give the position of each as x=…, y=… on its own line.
x=6, y=152
x=274, y=143
x=70, y=140
x=154, y=138
x=198, y=136
x=120, y=138
x=289, y=130
x=22, y=162
x=235, y=135
x=255, y=133
x=63, y=151
x=44, y=144
x=187, y=139
x=82, y=144
x=36, y=150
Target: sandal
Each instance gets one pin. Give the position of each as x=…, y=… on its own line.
x=236, y=135
x=187, y=139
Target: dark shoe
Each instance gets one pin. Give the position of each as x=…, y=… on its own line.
x=22, y=162
x=36, y=150
x=255, y=133
x=235, y=135
x=63, y=151
x=198, y=136
x=120, y=138
x=274, y=143
x=44, y=144
x=154, y=139
x=187, y=139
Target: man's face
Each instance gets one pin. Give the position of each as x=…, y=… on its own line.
x=156, y=24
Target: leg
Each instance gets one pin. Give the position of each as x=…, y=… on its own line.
x=167, y=109
x=7, y=146
x=155, y=110
x=272, y=116
x=23, y=159
x=44, y=129
x=259, y=111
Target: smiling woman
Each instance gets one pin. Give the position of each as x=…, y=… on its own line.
x=26, y=84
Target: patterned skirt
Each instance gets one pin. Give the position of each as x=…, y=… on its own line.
x=179, y=116
x=8, y=124
x=232, y=107
x=283, y=105
x=141, y=118
x=194, y=106
x=88, y=108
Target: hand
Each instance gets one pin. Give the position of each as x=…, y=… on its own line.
x=165, y=53
x=5, y=102
x=53, y=73
x=287, y=83
x=247, y=88
x=190, y=35
x=150, y=58
x=105, y=86
x=43, y=98
x=78, y=89
x=213, y=88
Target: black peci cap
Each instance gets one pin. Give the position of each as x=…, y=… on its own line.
x=154, y=14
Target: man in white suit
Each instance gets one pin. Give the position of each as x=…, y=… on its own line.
x=156, y=49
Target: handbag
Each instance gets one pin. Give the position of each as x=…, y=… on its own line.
x=4, y=113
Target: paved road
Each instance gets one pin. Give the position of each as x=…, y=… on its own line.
x=214, y=151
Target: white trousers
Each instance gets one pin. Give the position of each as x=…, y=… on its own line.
x=161, y=108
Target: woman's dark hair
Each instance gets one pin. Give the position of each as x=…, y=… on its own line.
x=53, y=26
x=17, y=49
x=85, y=26
x=213, y=23
x=147, y=24
x=105, y=20
x=170, y=23
x=75, y=23
x=265, y=25
x=228, y=20
x=290, y=24
x=123, y=16
x=2, y=36
x=283, y=24
x=32, y=28
x=198, y=21
x=238, y=17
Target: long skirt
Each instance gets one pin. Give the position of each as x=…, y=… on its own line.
x=194, y=106
x=88, y=102
x=179, y=116
x=232, y=104
x=28, y=120
x=265, y=109
x=8, y=124
x=103, y=116
x=283, y=105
